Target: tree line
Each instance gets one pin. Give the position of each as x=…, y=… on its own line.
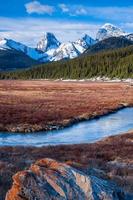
x=115, y=63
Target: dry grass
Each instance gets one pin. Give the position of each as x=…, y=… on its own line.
x=36, y=104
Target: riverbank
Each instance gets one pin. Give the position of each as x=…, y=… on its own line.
x=80, y=133
x=112, y=158
x=31, y=106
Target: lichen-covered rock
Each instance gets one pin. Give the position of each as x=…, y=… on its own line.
x=50, y=180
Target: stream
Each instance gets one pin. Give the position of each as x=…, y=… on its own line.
x=82, y=132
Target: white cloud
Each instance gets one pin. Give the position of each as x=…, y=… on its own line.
x=81, y=11
x=64, y=8
x=37, y=7
x=114, y=13
x=128, y=25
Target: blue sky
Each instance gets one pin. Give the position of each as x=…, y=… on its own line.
x=27, y=20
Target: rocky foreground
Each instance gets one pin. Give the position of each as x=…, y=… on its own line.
x=51, y=180
x=101, y=164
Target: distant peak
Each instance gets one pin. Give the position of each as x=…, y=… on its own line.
x=111, y=27
x=48, y=42
x=48, y=34
x=109, y=30
x=86, y=36
x=108, y=25
x=3, y=43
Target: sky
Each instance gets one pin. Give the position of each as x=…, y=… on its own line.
x=27, y=20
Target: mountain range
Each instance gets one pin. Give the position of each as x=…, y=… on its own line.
x=49, y=48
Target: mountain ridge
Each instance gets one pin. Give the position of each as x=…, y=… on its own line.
x=50, y=49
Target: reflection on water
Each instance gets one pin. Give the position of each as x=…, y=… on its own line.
x=83, y=132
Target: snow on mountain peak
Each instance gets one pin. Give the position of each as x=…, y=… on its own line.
x=108, y=25
x=8, y=44
x=2, y=41
x=48, y=42
x=65, y=51
x=3, y=44
x=130, y=36
x=57, y=51
x=109, y=30
x=85, y=41
x=50, y=49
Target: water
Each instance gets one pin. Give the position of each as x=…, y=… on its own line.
x=83, y=132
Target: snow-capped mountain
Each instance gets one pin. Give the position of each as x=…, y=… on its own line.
x=31, y=52
x=3, y=44
x=109, y=30
x=14, y=56
x=65, y=51
x=57, y=51
x=50, y=49
x=71, y=50
x=48, y=42
x=129, y=36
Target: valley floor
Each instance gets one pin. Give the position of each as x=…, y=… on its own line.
x=39, y=105
x=28, y=106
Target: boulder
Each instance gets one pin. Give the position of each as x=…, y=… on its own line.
x=48, y=179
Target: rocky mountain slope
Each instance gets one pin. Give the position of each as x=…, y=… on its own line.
x=109, y=44
x=52, y=180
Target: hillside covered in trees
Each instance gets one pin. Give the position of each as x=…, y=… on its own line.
x=10, y=59
x=109, y=44
x=115, y=63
